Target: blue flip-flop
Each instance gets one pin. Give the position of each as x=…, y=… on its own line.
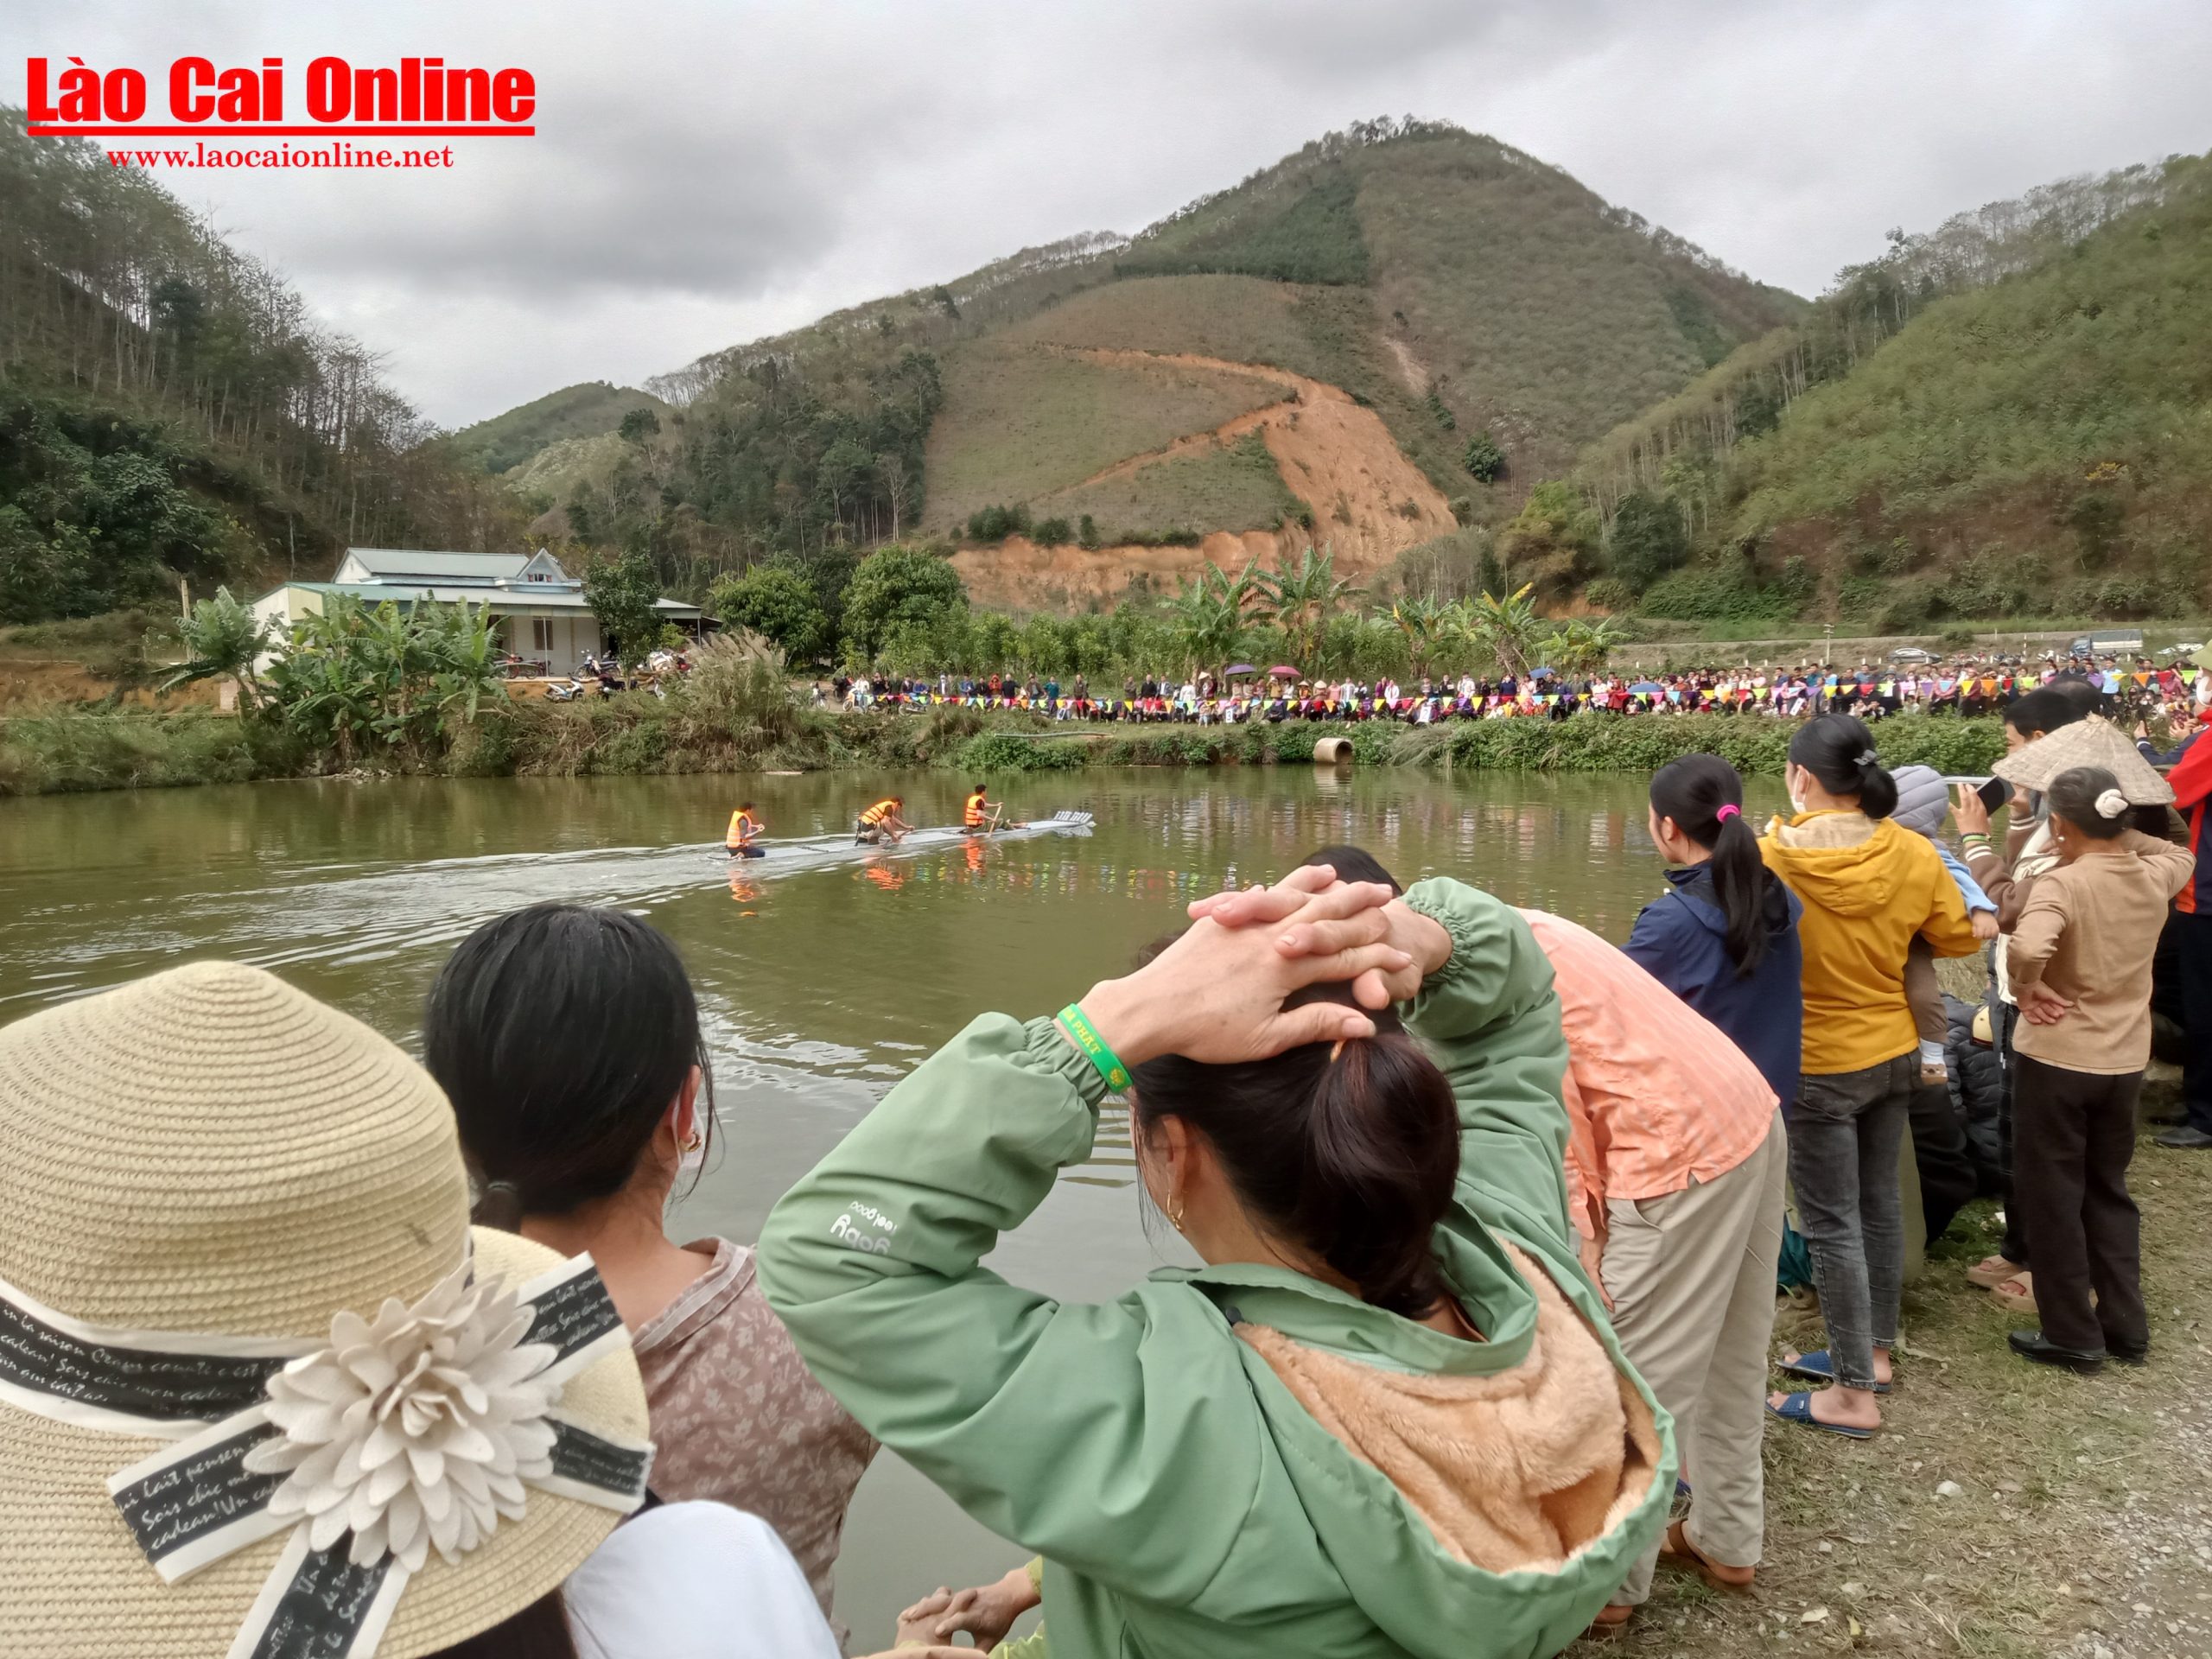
x=1818, y=1365
x=1798, y=1409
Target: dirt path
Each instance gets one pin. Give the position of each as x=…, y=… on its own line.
x=2006, y=1511
x=1370, y=503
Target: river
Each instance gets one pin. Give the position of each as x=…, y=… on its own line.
x=819, y=986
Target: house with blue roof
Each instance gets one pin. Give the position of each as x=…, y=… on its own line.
x=538, y=608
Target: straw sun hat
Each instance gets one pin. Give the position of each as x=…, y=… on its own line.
x=199, y=1173
x=2094, y=741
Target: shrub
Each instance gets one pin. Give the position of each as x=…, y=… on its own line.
x=1053, y=532
x=1750, y=743
x=1611, y=593
x=1086, y=531
x=1718, y=593
x=996, y=524
x=1009, y=752
x=1483, y=459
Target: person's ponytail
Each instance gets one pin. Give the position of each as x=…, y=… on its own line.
x=1704, y=797
x=1877, y=791
x=1381, y=1147
x=1346, y=1152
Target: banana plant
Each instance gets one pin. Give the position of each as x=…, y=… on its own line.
x=1300, y=598
x=1426, y=622
x=1209, y=615
x=1505, y=629
x=1582, y=646
x=224, y=639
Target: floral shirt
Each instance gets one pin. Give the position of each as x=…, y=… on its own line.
x=737, y=1417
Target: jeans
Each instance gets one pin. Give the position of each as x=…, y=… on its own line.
x=1845, y=1139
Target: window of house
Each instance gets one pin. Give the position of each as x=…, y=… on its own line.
x=541, y=633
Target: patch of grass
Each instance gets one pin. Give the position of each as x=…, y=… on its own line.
x=1221, y=487
x=1240, y=319
x=113, y=646
x=44, y=754
x=2081, y=1498
x=1019, y=424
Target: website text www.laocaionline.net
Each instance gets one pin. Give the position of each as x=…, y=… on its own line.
x=279, y=158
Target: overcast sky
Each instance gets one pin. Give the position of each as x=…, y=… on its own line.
x=710, y=172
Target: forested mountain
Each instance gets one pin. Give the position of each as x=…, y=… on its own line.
x=1401, y=327
x=592, y=409
x=2011, y=416
x=168, y=409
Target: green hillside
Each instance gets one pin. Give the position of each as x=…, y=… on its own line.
x=2010, y=416
x=580, y=411
x=1454, y=287
x=168, y=412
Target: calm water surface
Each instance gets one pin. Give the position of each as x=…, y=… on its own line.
x=822, y=981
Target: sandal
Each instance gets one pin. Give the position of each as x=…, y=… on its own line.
x=1798, y=1409
x=1612, y=1620
x=1992, y=1271
x=1816, y=1364
x=2017, y=1296
x=1720, y=1576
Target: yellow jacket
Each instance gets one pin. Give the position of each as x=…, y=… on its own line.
x=1867, y=887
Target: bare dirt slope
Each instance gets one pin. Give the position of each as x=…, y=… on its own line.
x=1369, y=502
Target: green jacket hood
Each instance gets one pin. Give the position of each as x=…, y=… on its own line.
x=1845, y=862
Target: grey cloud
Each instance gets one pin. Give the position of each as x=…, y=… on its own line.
x=709, y=172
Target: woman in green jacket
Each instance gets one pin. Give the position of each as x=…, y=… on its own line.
x=1388, y=1417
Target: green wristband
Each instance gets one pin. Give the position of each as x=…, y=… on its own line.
x=1087, y=1038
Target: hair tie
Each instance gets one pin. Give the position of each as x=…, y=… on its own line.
x=1728, y=812
x=1868, y=758
x=2111, y=804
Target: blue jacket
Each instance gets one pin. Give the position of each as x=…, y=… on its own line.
x=1681, y=940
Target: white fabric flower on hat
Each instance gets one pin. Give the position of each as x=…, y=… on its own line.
x=416, y=1431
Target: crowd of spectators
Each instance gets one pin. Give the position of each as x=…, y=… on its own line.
x=1968, y=686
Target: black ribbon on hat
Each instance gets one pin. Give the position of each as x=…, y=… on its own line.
x=195, y=1502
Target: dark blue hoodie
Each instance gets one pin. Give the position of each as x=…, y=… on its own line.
x=1681, y=940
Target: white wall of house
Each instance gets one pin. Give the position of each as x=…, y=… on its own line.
x=558, y=638
x=281, y=609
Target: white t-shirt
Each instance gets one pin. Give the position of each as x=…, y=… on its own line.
x=694, y=1581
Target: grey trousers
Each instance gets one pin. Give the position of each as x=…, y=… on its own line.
x=1844, y=1142
x=1692, y=1279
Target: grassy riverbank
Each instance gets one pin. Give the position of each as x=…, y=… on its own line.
x=130, y=749
x=2006, y=1511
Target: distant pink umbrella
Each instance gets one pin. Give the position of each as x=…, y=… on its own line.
x=1283, y=672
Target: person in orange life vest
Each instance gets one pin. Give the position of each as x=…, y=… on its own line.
x=881, y=824
x=740, y=841
x=977, y=814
